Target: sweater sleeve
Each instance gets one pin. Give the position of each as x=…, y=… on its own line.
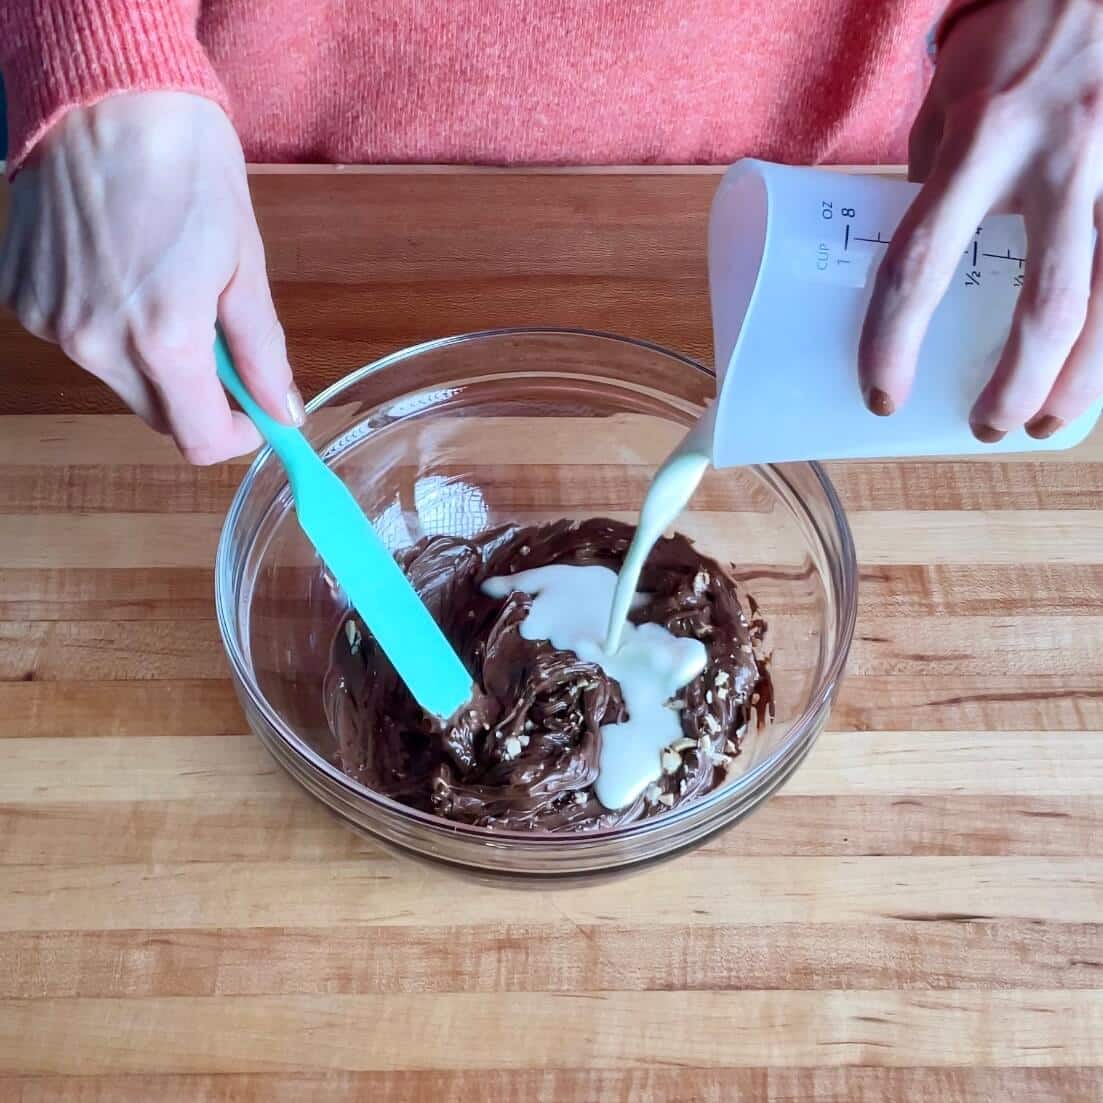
x=59, y=54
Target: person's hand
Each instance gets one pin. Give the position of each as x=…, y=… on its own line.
x=130, y=232
x=1014, y=120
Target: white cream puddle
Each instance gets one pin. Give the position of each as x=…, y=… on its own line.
x=571, y=608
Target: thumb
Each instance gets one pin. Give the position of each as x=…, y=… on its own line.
x=256, y=340
x=924, y=140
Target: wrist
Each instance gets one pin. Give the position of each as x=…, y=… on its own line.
x=85, y=52
x=951, y=17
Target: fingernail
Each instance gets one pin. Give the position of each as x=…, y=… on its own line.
x=987, y=435
x=879, y=402
x=1043, y=427
x=295, y=407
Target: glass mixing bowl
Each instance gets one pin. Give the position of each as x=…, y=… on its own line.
x=528, y=425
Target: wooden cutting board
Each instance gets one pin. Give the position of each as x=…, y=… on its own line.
x=918, y=916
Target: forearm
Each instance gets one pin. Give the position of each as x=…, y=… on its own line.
x=59, y=54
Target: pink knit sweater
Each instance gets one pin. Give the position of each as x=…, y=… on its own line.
x=493, y=81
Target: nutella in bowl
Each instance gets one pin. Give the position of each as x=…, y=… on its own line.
x=553, y=740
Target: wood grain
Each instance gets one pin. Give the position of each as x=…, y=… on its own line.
x=597, y=1030
x=918, y=915
x=682, y=1084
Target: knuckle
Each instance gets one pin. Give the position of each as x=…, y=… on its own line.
x=165, y=322
x=1089, y=106
x=80, y=343
x=201, y=454
x=1055, y=311
x=905, y=269
x=162, y=359
x=165, y=341
x=33, y=318
x=272, y=345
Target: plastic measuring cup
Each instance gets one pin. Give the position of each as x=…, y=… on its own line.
x=792, y=256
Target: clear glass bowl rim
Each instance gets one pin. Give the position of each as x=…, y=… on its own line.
x=803, y=729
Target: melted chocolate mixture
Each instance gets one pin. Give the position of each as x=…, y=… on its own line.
x=524, y=754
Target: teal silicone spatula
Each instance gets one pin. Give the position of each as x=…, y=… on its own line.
x=358, y=559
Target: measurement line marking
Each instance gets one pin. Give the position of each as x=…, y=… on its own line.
x=878, y=240
x=974, y=254
x=846, y=240
x=1005, y=256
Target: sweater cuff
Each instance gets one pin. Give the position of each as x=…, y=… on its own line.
x=60, y=54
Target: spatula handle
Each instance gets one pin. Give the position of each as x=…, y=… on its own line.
x=286, y=441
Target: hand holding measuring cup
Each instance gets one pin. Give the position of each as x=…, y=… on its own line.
x=1013, y=120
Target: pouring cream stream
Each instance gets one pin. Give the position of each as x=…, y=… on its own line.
x=585, y=609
